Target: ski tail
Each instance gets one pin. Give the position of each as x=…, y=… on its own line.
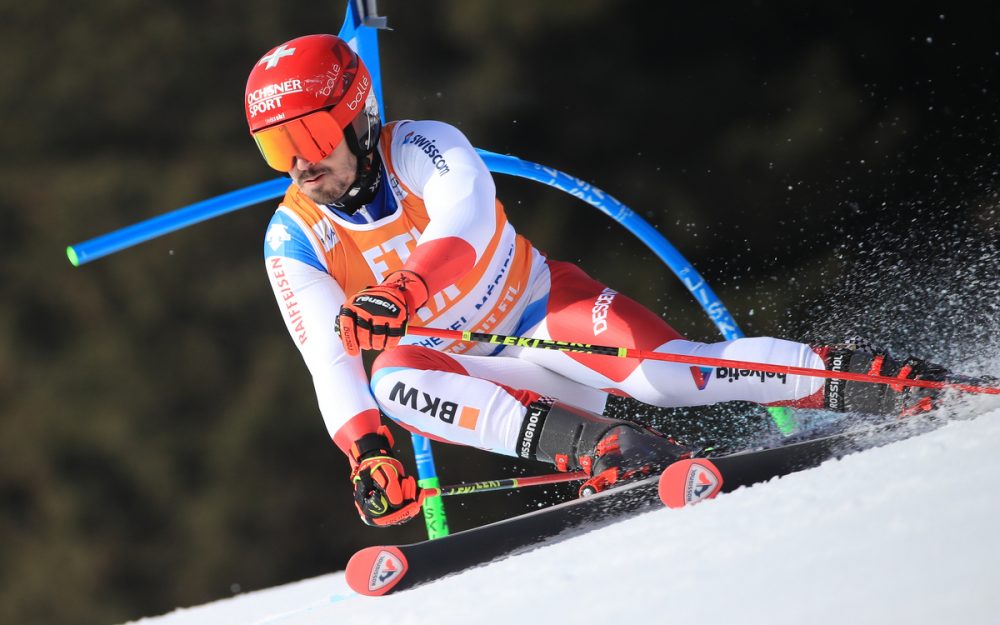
x=374, y=571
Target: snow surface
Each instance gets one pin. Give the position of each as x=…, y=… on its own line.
x=905, y=533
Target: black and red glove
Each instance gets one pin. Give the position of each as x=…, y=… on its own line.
x=383, y=494
x=376, y=317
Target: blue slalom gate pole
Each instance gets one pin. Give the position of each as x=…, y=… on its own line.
x=129, y=236
x=90, y=250
x=99, y=247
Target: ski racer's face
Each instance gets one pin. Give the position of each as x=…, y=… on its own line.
x=326, y=181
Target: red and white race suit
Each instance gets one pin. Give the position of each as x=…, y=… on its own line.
x=437, y=214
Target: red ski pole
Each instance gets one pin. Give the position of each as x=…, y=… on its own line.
x=704, y=361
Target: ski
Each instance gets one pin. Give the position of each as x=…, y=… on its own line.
x=687, y=482
x=381, y=570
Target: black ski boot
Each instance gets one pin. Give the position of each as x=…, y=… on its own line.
x=610, y=451
x=859, y=356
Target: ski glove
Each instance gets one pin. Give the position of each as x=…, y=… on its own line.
x=383, y=494
x=376, y=317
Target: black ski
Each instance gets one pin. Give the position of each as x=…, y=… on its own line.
x=689, y=481
x=383, y=569
x=386, y=569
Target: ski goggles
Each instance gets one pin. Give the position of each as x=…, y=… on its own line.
x=312, y=137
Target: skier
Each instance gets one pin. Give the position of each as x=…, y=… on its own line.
x=395, y=225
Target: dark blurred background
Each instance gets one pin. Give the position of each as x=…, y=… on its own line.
x=830, y=169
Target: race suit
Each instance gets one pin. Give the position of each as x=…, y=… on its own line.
x=436, y=213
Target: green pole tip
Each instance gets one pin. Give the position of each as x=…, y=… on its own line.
x=71, y=255
x=434, y=514
x=784, y=418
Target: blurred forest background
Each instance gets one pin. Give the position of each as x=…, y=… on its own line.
x=828, y=168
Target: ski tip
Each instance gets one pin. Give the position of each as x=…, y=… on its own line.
x=689, y=481
x=375, y=571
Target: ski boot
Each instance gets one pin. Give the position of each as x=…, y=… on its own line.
x=859, y=356
x=609, y=451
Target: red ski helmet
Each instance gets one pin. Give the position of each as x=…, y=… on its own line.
x=304, y=96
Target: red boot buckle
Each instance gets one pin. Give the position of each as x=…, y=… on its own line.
x=601, y=481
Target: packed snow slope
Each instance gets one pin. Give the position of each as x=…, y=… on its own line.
x=905, y=533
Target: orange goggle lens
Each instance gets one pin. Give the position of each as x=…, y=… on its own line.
x=312, y=137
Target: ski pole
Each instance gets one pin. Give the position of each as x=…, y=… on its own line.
x=467, y=488
x=704, y=361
